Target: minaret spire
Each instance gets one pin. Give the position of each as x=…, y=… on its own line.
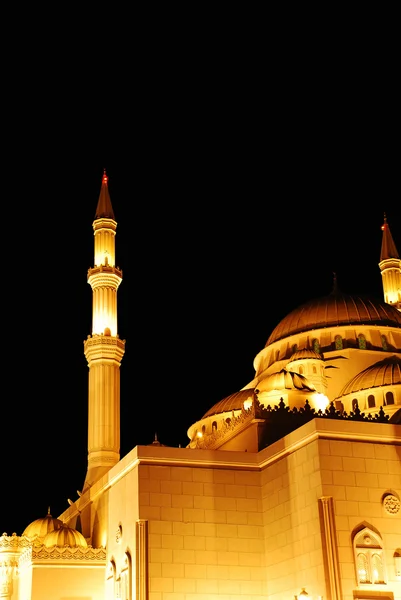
x=103, y=348
x=390, y=267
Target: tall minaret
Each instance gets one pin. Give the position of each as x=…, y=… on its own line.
x=103, y=349
x=390, y=267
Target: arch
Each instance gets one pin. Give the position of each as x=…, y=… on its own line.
x=214, y=426
x=361, y=342
x=354, y=404
x=389, y=398
x=369, y=557
x=316, y=345
x=371, y=401
x=126, y=578
x=111, y=579
x=338, y=342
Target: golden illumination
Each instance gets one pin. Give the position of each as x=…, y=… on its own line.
x=248, y=403
x=321, y=401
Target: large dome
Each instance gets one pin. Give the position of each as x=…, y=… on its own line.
x=334, y=310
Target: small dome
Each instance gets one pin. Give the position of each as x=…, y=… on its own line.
x=230, y=403
x=65, y=536
x=336, y=309
x=286, y=380
x=41, y=527
x=384, y=372
x=305, y=353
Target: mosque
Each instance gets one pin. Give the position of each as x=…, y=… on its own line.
x=288, y=488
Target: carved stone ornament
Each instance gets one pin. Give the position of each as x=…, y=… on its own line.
x=391, y=504
x=119, y=534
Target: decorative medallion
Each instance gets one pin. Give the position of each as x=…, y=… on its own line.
x=119, y=534
x=391, y=504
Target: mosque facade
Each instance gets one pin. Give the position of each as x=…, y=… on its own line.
x=289, y=488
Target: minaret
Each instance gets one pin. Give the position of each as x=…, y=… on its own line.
x=390, y=267
x=103, y=349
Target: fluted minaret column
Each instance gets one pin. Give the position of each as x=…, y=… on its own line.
x=103, y=349
x=390, y=267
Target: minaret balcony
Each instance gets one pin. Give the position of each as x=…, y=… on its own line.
x=104, y=276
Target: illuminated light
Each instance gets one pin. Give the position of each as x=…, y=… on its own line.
x=105, y=178
x=199, y=434
x=321, y=401
x=247, y=403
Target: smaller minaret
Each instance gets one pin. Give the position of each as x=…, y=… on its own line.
x=103, y=349
x=390, y=267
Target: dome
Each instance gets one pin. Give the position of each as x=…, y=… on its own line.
x=305, y=353
x=230, y=403
x=384, y=372
x=334, y=310
x=41, y=527
x=65, y=536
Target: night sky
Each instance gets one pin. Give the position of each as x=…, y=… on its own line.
x=232, y=210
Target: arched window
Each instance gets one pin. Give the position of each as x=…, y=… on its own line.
x=384, y=342
x=369, y=557
x=294, y=348
x=361, y=342
x=338, y=342
x=389, y=398
x=316, y=346
x=371, y=401
x=314, y=369
x=203, y=429
x=126, y=578
x=214, y=426
x=277, y=354
x=301, y=370
x=111, y=579
x=354, y=404
x=228, y=421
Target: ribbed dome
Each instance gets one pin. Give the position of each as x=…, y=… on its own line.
x=286, y=380
x=384, y=372
x=65, y=536
x=232, y=402
x=41, y=527
x=334, y=310
x=305, y=353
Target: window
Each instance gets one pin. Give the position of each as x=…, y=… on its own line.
x=314, y=370
x=354, y=404
x=384, y=342
x=371, y=401
x=301, y=370
x=126, y=579
x=389, y=398
x=361, y=342
x=338, y=340
x=214, y=426
x=111, y=580
x=316, y=345
x=369, y=557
